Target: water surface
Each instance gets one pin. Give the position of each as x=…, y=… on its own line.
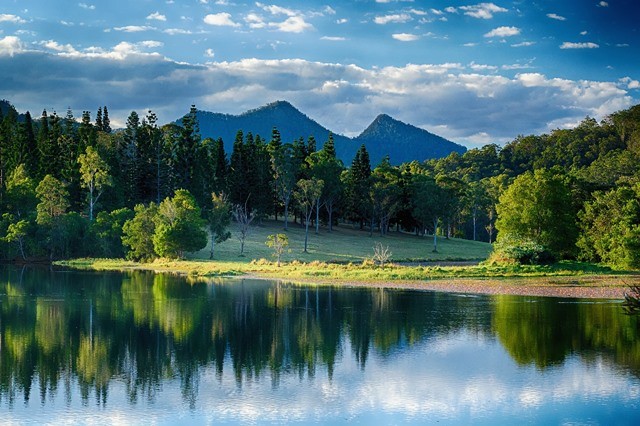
x=87, y=347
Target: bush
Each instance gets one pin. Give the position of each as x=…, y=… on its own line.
x=514, y=249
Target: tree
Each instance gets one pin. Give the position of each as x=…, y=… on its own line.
x=243, y=217
x=610, y=226
x=20, y=193
x=138, y=232
x=357, y=186
x=179, y=227
x=427, y=204
x=279, y=243
x=94, y=173
x=54, y=199
x=108, y=228
x=538, y=206
x=285, y=169
x=325, y=166
x=219, y=219
x=17, y=232
x=308, y=195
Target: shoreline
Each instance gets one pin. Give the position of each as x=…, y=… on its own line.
x=577, y=286
x=584, y=287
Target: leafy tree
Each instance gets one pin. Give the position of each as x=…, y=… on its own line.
x=138, y=232
x=108, y=227
x=94, y=172
x=53, y=197
x=219, y=219
x=279, y=244
x=285, y=169
x=20, y=193
x=17, y=232
x=427, y=199
x=385, y=194
x=327, y=167
x=308, y=195
x=538, y=206
x=610, y=226
x=179, y=227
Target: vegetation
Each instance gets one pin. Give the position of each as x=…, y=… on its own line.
x=77, y=188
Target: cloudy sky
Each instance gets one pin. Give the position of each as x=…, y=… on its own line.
x=474, y=72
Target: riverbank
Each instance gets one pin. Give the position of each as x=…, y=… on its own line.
x=568, y=279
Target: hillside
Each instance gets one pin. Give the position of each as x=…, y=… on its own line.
x=385, y=136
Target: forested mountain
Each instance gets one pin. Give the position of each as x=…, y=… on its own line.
x=403, y=142
x=385, y=136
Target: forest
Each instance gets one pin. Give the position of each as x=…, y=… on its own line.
x=76, y=188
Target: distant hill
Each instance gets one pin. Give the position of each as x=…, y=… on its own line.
x=385, y=136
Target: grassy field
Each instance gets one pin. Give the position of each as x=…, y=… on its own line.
x=343, y=245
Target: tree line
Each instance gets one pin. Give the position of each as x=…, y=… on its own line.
x=77, y=188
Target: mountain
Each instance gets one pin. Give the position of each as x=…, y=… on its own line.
x=385, y=136
x=403, y=142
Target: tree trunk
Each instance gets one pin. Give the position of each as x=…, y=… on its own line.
x=475, y=218
x=213, y=241
x=317, y=217
x=286, y=215
x=306, y=231
x=435, y=238
x=330, y=211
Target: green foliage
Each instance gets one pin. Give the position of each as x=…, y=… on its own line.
x=610, y=226
x=219, y=219
x=514, y=249
x=537, y=207
x=179, y=227
x=53, y=198
x=137, y=233
x=279, y=244
x=20, y=194
x=94, y=173
x=108, y=228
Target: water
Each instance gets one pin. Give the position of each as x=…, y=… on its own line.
x=138, y=348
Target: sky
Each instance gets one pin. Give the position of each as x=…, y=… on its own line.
x=473, y=72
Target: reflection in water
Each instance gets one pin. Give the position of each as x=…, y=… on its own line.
x=247, y=350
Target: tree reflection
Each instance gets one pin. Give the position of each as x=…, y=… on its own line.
x=58, y=329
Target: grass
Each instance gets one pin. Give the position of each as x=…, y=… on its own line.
x=345, y=244
x=344, y=255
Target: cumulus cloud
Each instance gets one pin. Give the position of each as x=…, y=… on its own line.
x=482, y=10
x=395, y=18
x=222, y=19
x=344, y=98
x=503, y=32
x=556, y=17
x=405, y=37
x=587, y=45
x=10, y=45
x=157, y=16
x=293, y=24
x=14, y=19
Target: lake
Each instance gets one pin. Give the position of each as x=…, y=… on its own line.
x=138, y=348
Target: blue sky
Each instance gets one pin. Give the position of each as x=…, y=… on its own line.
x=474, y=72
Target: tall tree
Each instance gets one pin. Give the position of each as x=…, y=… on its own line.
x=94, y=172
x=219, y=216
x=427, y=204
x=285, y=169
x=326, y=166
x=358, y=185
x=308, y=194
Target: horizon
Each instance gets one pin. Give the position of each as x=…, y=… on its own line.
x=471, y=72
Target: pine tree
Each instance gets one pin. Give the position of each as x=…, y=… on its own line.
x=358, y=185
x=99, y=125
x=238, y=191
x=222, y=167
x=106, y=123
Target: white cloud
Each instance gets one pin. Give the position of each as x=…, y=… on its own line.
x=10, y=45
x=587, y=45
x=222, y=19
x=54, y=45
x=14, y=19
x=630, y=83
x=503, y=32
x=175, y=31
x=255, y=21
x=396, y=19
x=134, y=28
x=583, y=33
x=329, y=10
x=451, y=9
x=87, y=6
x=329, y=38
x=157, y=16
x=344, y=98
x=556, y=17
x=293, y=24
x=405, y=37
x=603, y=4
x=209, y=53
x=482, y=10
x=342, y=21
x=524, y=44
x=277, y=10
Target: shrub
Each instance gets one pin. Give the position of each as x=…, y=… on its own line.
x=514, y=249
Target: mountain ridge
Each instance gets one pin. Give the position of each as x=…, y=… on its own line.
x=409, y=142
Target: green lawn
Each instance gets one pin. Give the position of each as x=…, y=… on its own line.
x=344, y=244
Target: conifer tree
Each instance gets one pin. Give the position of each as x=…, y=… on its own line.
x=99, y=125
x=106, y=123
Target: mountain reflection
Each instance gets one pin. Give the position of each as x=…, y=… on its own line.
x=63, y=329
